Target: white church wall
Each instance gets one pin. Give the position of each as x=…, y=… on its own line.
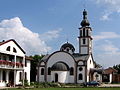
x=62, y=76
x=81, y=72
x=61, y=56
x=84, y=50
x=41, y=77
x=90, y=64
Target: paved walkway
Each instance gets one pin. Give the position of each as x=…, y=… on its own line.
x=110, y=85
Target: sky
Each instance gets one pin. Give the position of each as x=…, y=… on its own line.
x=42, y=26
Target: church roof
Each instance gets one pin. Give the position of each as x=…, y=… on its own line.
x=60, y=66
x=67, y=45
x=78, y=56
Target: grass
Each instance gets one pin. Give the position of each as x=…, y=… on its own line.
x=89, y=88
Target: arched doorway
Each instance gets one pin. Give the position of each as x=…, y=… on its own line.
x=56, y=77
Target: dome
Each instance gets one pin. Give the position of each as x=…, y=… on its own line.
x=85, y=22
x=67, y=46
x=60, y=66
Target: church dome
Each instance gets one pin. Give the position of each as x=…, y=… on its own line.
x=67, y=47
x=60, y=66
x=85, y=21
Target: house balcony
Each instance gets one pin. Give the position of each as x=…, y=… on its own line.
x=10, y=65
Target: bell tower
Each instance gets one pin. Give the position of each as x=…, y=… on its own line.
x=85, y=38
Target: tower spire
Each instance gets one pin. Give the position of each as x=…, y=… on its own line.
x=85, y=21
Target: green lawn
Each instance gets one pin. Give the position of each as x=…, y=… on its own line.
x=68, y=89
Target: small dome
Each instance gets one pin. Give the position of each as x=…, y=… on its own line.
x=66, y=46
x=60, y=66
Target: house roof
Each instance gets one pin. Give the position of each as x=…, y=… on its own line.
x=110, y=70
x=4, y=42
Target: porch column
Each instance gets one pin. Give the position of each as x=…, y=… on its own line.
x=1, y=75
x=15, y=60
x=7, y=76
x=14, y=77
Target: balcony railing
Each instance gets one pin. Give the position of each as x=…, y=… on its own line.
x=9, y=64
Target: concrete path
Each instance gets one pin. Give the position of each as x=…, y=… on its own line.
x=110, y=85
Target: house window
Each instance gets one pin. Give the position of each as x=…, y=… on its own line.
x=25, y=75
x=4, y=58
x=42, y=71
x=49, y=71
x=14, y=50
x=8, y=48
x=4, y=76
x=84, y=40
x=20, y=75
x=71, y=71
x=80, y=77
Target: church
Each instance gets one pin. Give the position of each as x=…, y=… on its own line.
x=67, y=66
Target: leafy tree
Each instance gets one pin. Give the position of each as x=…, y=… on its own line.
x=34, y=63
x=117, y=67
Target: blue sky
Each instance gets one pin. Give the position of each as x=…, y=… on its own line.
x=42, y=26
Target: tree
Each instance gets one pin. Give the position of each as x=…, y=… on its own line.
x=117, y=67
x=34, y=63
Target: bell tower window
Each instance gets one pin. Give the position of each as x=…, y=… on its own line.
x=84, y=40
x=83, y=32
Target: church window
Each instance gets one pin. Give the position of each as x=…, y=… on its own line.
x=87, y=33
x=8, y=48
x=80, y=32
x=42, y=71
x=80, y=69
x=84, y=40
x=49, y=71
x=80, y=77
x=71, y=71
x=83, y=31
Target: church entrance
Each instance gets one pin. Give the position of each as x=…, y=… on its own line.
x=56, y=77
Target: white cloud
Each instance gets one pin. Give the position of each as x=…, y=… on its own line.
x=106, y=35
x=108, y=55
x=111, y=7
x=50, y=35
x=28, y=40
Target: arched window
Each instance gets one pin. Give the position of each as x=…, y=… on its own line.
x=80, y=77
x=14, y=50
x=42, y=71
x=71, y=71
x=83, y=32
x=8, y=48
x=49, y=71
x=84, y=40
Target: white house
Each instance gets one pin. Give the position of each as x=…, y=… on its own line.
x=66, y=66
x=14, y=65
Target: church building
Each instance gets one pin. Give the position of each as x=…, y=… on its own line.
x=67, y=66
